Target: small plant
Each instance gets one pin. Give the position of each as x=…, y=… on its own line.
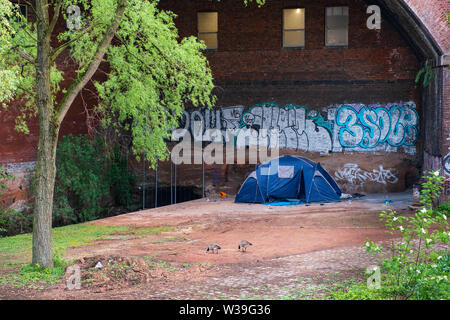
x=30, y=274
x=411, y=270
x=428, y=74
x=4, y=177
x=12, y=221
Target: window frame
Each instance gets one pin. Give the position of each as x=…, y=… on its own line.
x=283, y=30
x=216, y=33
x=327, y=45
x=23, y=5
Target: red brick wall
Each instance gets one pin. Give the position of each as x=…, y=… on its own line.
x=250, y=66
x=446, y=132
x=433, y=14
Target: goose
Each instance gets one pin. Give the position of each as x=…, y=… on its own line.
x=243, y=245
x=213, y=247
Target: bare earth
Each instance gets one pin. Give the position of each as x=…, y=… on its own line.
x=297, y=250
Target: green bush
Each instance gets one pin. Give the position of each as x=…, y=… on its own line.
x=412, y=269
x=88, y=176
x=79, y=187
x=118, y=178
x=14, y=222
x=11, y=221
x=359, y=291
x=444, y=208
x=30, y=274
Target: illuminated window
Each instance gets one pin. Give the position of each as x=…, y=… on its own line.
x=293, y=27
x=336, y=26
x=208, y=27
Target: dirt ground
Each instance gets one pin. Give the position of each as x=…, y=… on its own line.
x=297, y=250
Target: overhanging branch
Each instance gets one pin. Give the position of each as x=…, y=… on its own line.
x=24, y=55
x=55, y=17
x=81, y=80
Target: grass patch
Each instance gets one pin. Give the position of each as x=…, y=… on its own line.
x=71, y=236
x=171, y=239
x=36, y=276
x=17, y=249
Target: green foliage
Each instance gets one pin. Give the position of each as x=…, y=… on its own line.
x=412, y=269
x=119, y=178
x=444, y=208
x=358, y=291
x=15, y=222
x=152, y=77
x=11, y=221
x=4, y=178
x=86, y=175
x=79, y=186
x=76, y=235
x=153, y=73
x=36, y=275
x=428, y=74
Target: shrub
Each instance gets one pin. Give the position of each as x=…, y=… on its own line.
x=12, y=221
x=119, y=178
x=412, y=269
x=79, y=186
x=87, y=176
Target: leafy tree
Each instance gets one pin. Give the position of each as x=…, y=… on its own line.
x=151, y=76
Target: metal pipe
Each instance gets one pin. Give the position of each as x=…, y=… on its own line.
x=156, y=185
x=143, y=185
x=175, y=183
x=203, y=177
x=171, y=180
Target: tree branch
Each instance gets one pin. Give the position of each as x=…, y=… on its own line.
x=65, y=45
x=55, y=17
x=81, y=80
x=24, y=55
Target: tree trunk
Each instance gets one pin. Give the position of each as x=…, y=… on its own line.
x=48, y=138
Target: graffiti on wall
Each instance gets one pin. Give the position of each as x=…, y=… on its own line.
x=447, y=187
x=370, y=126
x=446, y=161
x=352, y=127
x=221, y=118
x=298, y=127
x=353, y=174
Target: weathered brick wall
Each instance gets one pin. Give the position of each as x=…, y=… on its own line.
x=446, y=133
x=433, y=14
x=250, y=67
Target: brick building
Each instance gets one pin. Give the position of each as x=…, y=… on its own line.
x=339, y=91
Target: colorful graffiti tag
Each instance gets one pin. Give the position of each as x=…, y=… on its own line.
x=370, y=126
x=446, y=161
x=352, y=127
x=298, y=127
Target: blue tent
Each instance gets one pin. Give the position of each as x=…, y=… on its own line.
x=289, y=180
